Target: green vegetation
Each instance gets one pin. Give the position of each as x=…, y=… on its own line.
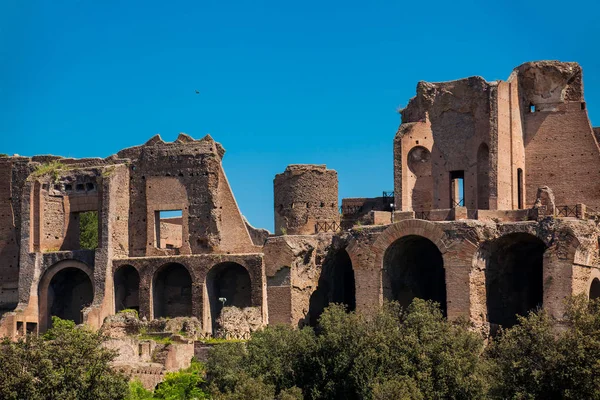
x=67, y=363
x=49, y=168
x=157, y=338
x=130, y=311
x=88, y=230
x=412, y=354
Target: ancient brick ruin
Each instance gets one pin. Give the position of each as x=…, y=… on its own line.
x=494, y=213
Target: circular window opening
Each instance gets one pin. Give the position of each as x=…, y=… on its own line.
x=419, y=160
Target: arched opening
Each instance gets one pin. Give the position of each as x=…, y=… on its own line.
x=514, y=277
x=483, y=177
x=127, y=288
x=172, y=292
x=228, y=284
x=69, y=292
x=413, y=267
x=419, y=163
x=336, y=285
x=595, y=289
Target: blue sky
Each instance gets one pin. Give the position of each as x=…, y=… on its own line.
x=280, y=82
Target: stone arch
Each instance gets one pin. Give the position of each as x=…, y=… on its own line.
x=336, y=285
x=230, y=281
x=413, y=267
x=127, y=288
x=514, y=275
x=172, y=291
x=65, y=290
x=594, y=289
x=459, y=258
x=483, y=177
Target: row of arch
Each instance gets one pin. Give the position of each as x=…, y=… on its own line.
x=413, y=267
x=70, y=290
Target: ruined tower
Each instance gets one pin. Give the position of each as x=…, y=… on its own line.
x=305, y=195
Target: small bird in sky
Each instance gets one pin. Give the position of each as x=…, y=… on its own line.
x=197, y=91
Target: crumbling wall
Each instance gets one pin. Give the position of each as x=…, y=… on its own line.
x=561, y=150
x=459, y=116
x=304, y=195
x=184, y=175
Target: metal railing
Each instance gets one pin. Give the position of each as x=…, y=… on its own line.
x=566, y=211
x=425, y=215
x=325, y=226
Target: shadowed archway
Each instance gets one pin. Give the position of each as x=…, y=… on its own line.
x=69, y=291
x=336, y=285
x=172, y=292
x=514, y=277
x=595, y=289
x=413, y=267
x=231, y=282
x=127, y=288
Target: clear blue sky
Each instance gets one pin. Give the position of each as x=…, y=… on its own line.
x=280, y=82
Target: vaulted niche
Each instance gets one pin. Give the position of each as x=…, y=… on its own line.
x=69, y=292
x=595, y=289
x=419, y=163
x=514, y=277
x=127, y=285
x=336, y=285
x=413, y=267
x=227, y=284
x=172, y=292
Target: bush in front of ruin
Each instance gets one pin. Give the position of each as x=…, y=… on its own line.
x=538, y=359
x=67, y=363
x=412, y=353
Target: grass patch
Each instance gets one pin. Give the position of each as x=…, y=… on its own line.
x=158, y=339
x=49, y=168
x=130, y=311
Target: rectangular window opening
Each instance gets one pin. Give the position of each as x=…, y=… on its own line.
x=169, y=229
x=457, y=188
x=31, y=327
x=531, y=108
x=519, y=188
x=88, y=230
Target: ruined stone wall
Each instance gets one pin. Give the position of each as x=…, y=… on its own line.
x=185, y=175
x=413, y=179
x=9, y=234
x=304, y=195
x=560, y=147
x=459, y=114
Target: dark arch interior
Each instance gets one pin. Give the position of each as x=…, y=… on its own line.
x=229, y=281
x=127, y=285
x=413, y=267
x=70, y=290
x=595, y=289
x=514, y=277
x=172, y=295
x=336, y=285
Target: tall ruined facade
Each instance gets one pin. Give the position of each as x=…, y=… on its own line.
x=494, y=213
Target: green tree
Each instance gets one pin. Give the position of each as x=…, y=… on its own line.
x=413, y=354
x=183, y=385
x=88, y=230
x=68, y=362
x=541, y=359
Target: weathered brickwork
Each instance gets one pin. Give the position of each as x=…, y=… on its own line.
x=494, y=213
